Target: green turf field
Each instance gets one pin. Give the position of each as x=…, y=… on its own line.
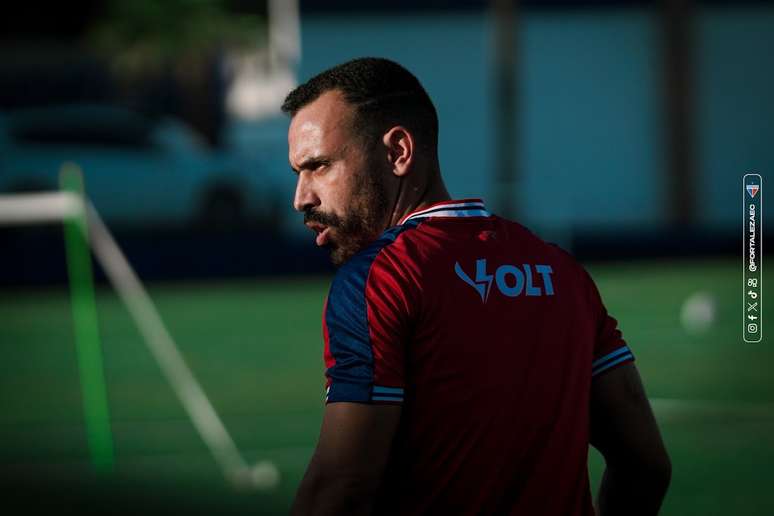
x=256, y=348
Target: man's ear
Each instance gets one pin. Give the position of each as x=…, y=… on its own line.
x=400, y=149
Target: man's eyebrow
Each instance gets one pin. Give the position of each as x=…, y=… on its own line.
x=311, y=163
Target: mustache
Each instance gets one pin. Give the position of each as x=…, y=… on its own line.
x=326, y=219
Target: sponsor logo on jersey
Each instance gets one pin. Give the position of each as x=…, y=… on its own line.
x=510, y=280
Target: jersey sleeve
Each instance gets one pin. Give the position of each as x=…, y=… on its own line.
x=366, y=327
x=610, y=349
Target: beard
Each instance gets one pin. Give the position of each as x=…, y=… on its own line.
x=363, y=222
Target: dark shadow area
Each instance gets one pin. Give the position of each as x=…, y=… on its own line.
x=46, y=493
x=36, y=256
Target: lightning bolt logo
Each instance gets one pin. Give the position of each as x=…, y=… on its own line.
x=483, y=283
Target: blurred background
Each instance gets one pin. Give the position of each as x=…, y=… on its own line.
x=619, y=129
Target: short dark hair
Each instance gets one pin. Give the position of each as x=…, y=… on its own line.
x=383, y=94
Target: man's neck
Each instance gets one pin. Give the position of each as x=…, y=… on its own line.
x=414, y=199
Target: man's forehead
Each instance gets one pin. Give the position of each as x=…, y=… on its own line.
x=320, y=124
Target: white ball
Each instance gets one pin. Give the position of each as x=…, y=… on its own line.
x=263, y=476
x=698, y=312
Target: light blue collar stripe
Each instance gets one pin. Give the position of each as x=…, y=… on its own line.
x=450, y=206
x=615, y=353
x=611, y=364
x=451, y=213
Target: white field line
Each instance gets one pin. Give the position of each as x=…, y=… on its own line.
x=37, y=208
x=163, y=348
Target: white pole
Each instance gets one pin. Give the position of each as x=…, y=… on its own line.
x=37, y=208
x=161, y=345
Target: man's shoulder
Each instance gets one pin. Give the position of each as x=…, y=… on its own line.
x=357, y=269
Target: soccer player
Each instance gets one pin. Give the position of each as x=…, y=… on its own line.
x=469, y=363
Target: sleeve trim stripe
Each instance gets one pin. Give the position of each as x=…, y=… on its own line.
x=344, y=391
x=386, y=398
x=605, y=367
x=396, y=399
x=600, y=361
x=387, y=390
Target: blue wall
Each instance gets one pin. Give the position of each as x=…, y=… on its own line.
x=591, y=117
x=736, y=107
x=592, y=151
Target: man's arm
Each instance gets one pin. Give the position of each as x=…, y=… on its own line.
x=346, y=468
x=624, y=430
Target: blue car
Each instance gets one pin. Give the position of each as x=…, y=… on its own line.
x=139, y=172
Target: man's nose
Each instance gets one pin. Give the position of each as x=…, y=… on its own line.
x=305, y=197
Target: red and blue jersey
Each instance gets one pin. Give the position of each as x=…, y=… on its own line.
x=489, y=338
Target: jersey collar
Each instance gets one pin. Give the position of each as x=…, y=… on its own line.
x=461, y=208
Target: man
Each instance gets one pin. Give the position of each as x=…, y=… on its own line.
x=469, y=364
